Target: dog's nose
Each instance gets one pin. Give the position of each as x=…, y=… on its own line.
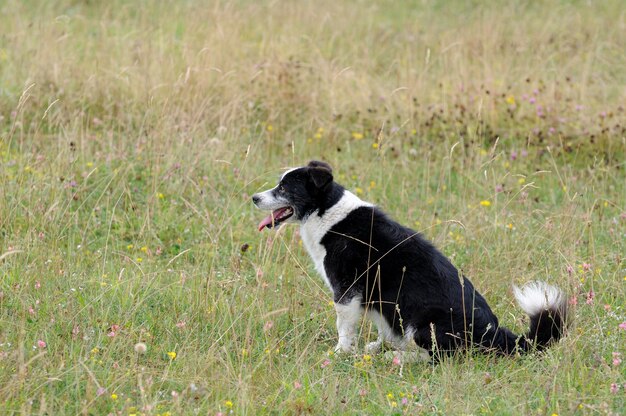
x=256, y=199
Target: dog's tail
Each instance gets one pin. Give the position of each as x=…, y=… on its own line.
x=546, y=307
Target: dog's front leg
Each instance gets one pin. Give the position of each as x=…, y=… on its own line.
x=348, y=315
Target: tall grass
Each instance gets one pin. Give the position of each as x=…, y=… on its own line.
x=133, y=133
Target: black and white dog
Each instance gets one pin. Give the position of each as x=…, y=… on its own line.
x=411, y=291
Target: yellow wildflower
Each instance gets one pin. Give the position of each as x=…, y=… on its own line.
x=172, y=355
x=485, y=203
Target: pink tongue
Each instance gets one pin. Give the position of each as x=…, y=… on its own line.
x=267, y=221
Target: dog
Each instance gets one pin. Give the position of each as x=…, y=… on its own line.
x=410, y=290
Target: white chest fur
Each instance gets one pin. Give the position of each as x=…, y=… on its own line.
x=314, y=228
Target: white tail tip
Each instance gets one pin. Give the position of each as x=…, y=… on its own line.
x=536, y=297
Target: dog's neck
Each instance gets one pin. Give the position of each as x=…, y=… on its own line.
x=338, y=203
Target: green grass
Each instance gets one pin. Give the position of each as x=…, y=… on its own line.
x=132, y=135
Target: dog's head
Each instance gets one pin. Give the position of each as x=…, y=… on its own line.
x=300, y=192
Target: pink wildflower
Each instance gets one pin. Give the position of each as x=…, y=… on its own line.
x=569, y=269
x=617, y=360
x=326, y=362
x=396, y=360
x=405, y=401
x=573, y=300
x=622, y=325
x=41, y=344
x=586, y=266
x=297, y=385
x=590, y=297
x=114, y=328
x=37, y=284
x=614, y=388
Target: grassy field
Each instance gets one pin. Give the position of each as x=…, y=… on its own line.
x=132, y=134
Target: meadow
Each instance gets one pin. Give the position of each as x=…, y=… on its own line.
x=133, y=280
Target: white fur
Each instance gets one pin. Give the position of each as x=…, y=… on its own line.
x=314, y=228
x=269, y=202
x=536, y=297
x=348, y=317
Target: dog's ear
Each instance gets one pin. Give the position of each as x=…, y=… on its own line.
x=321, y=175
x=318, y=164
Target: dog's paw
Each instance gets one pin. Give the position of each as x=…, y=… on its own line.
x=344, y=348
x=373, y=347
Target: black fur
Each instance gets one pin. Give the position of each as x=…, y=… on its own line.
x=407, y=279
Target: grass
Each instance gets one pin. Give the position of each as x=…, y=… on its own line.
x=133, y=133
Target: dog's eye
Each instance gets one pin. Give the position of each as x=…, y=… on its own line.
x=281, y=188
